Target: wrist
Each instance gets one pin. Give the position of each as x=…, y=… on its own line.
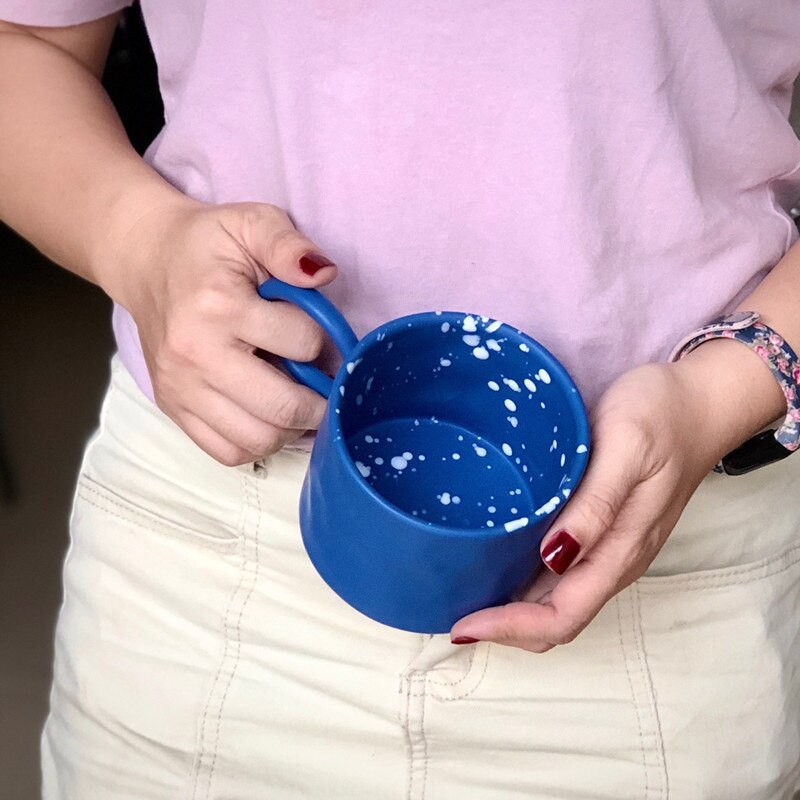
x=732, y=394
x=134, y=222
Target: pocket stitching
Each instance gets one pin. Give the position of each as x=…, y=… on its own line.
x=105, y=500
x=730, y=576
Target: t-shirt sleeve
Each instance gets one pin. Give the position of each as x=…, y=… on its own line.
x=57, y=13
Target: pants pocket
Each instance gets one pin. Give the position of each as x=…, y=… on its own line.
x=723, y=651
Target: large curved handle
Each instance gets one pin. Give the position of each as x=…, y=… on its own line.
x=321, y=310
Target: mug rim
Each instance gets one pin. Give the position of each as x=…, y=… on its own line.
x=554, y=366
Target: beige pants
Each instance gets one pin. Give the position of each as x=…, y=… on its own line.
x=200, y=656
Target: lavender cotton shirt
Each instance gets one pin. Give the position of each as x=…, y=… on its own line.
x=603, y=175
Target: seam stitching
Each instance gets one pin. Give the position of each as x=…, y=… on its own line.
x=770, y=567
x=201, y=744
x=451, y=684
x=424, y=740
x=143, y=519
x=633, y=698
x=409, y=743
x=471, y=690
x=645, y=666
x=253, y=576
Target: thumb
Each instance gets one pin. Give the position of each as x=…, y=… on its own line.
x=275, y=244
x=593, y=508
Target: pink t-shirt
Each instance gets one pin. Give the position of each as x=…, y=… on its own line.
x=602, y=174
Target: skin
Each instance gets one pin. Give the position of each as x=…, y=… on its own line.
x=187, y=271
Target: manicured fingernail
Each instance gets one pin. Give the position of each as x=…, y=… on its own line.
x=312, y=263
x=560, y=552
x=464, y=640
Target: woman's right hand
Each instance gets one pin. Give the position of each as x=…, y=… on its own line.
x=188, y=275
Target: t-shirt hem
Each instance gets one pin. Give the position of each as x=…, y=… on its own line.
x=45, y=15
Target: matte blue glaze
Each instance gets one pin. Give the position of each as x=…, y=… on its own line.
x=319, y=308
x=391, y=540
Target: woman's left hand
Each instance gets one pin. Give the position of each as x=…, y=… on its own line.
x=652, y=446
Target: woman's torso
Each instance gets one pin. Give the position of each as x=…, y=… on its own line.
x=603, y=175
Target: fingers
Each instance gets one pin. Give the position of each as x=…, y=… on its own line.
x=612, y=474
x=267, y=394
x=231, y=435
x=278, y=328
x=559, y=615
x=270, y=238
x=539, y=626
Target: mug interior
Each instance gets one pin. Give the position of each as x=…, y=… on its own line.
x=462, y=421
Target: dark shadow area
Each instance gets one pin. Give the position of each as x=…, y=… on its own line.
x=55, y=345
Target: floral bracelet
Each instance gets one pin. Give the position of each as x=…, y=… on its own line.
x=747, y=328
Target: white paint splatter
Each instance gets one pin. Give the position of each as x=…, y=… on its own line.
x=563, y=459
x=510, y=405
x=565, y=492
x=368, y=439
x=553, y=446
x=548, y=507
x=491, y=509
x=421, y=458
x=398, y=462
x=494, y=326
x=445, y=327
x=341, y=391
x=581, y=448
x=369, y=383
x=524, y=347
x=352, y=365
x=471, y=339
x=456, y=499
x=543, y=375
x=481, y=451
x=494, y=386
x=516, y=524
x=493, y=344
x=507, y=449
x=481, y=352
x=363, y=469
x=489, y=523
x=407, y=456
x=470, y=325
x=379, y=461
x=359, y=400
x=445, y=362
x=512, y=384
x=444, y=498
x=529, y=385
x=456, y=456
x=513, y=421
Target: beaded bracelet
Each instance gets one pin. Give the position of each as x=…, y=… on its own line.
x=770, y=445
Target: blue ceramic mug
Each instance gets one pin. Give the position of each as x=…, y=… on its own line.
x=448, y=443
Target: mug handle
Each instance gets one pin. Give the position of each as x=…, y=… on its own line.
x=322, y=311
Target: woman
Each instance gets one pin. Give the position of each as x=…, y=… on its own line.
x=608, y=176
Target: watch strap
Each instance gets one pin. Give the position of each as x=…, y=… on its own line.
x=747, y=328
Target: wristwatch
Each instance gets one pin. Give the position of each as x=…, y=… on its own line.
x=769, y=445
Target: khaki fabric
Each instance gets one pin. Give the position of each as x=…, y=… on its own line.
x=200, y=656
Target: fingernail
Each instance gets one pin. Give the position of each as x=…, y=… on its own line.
x=312, y=263
x=560, y=552
x=464, y=640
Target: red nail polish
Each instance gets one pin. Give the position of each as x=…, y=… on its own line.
x=560, y=552
x=464, y=640
x=312, y=263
